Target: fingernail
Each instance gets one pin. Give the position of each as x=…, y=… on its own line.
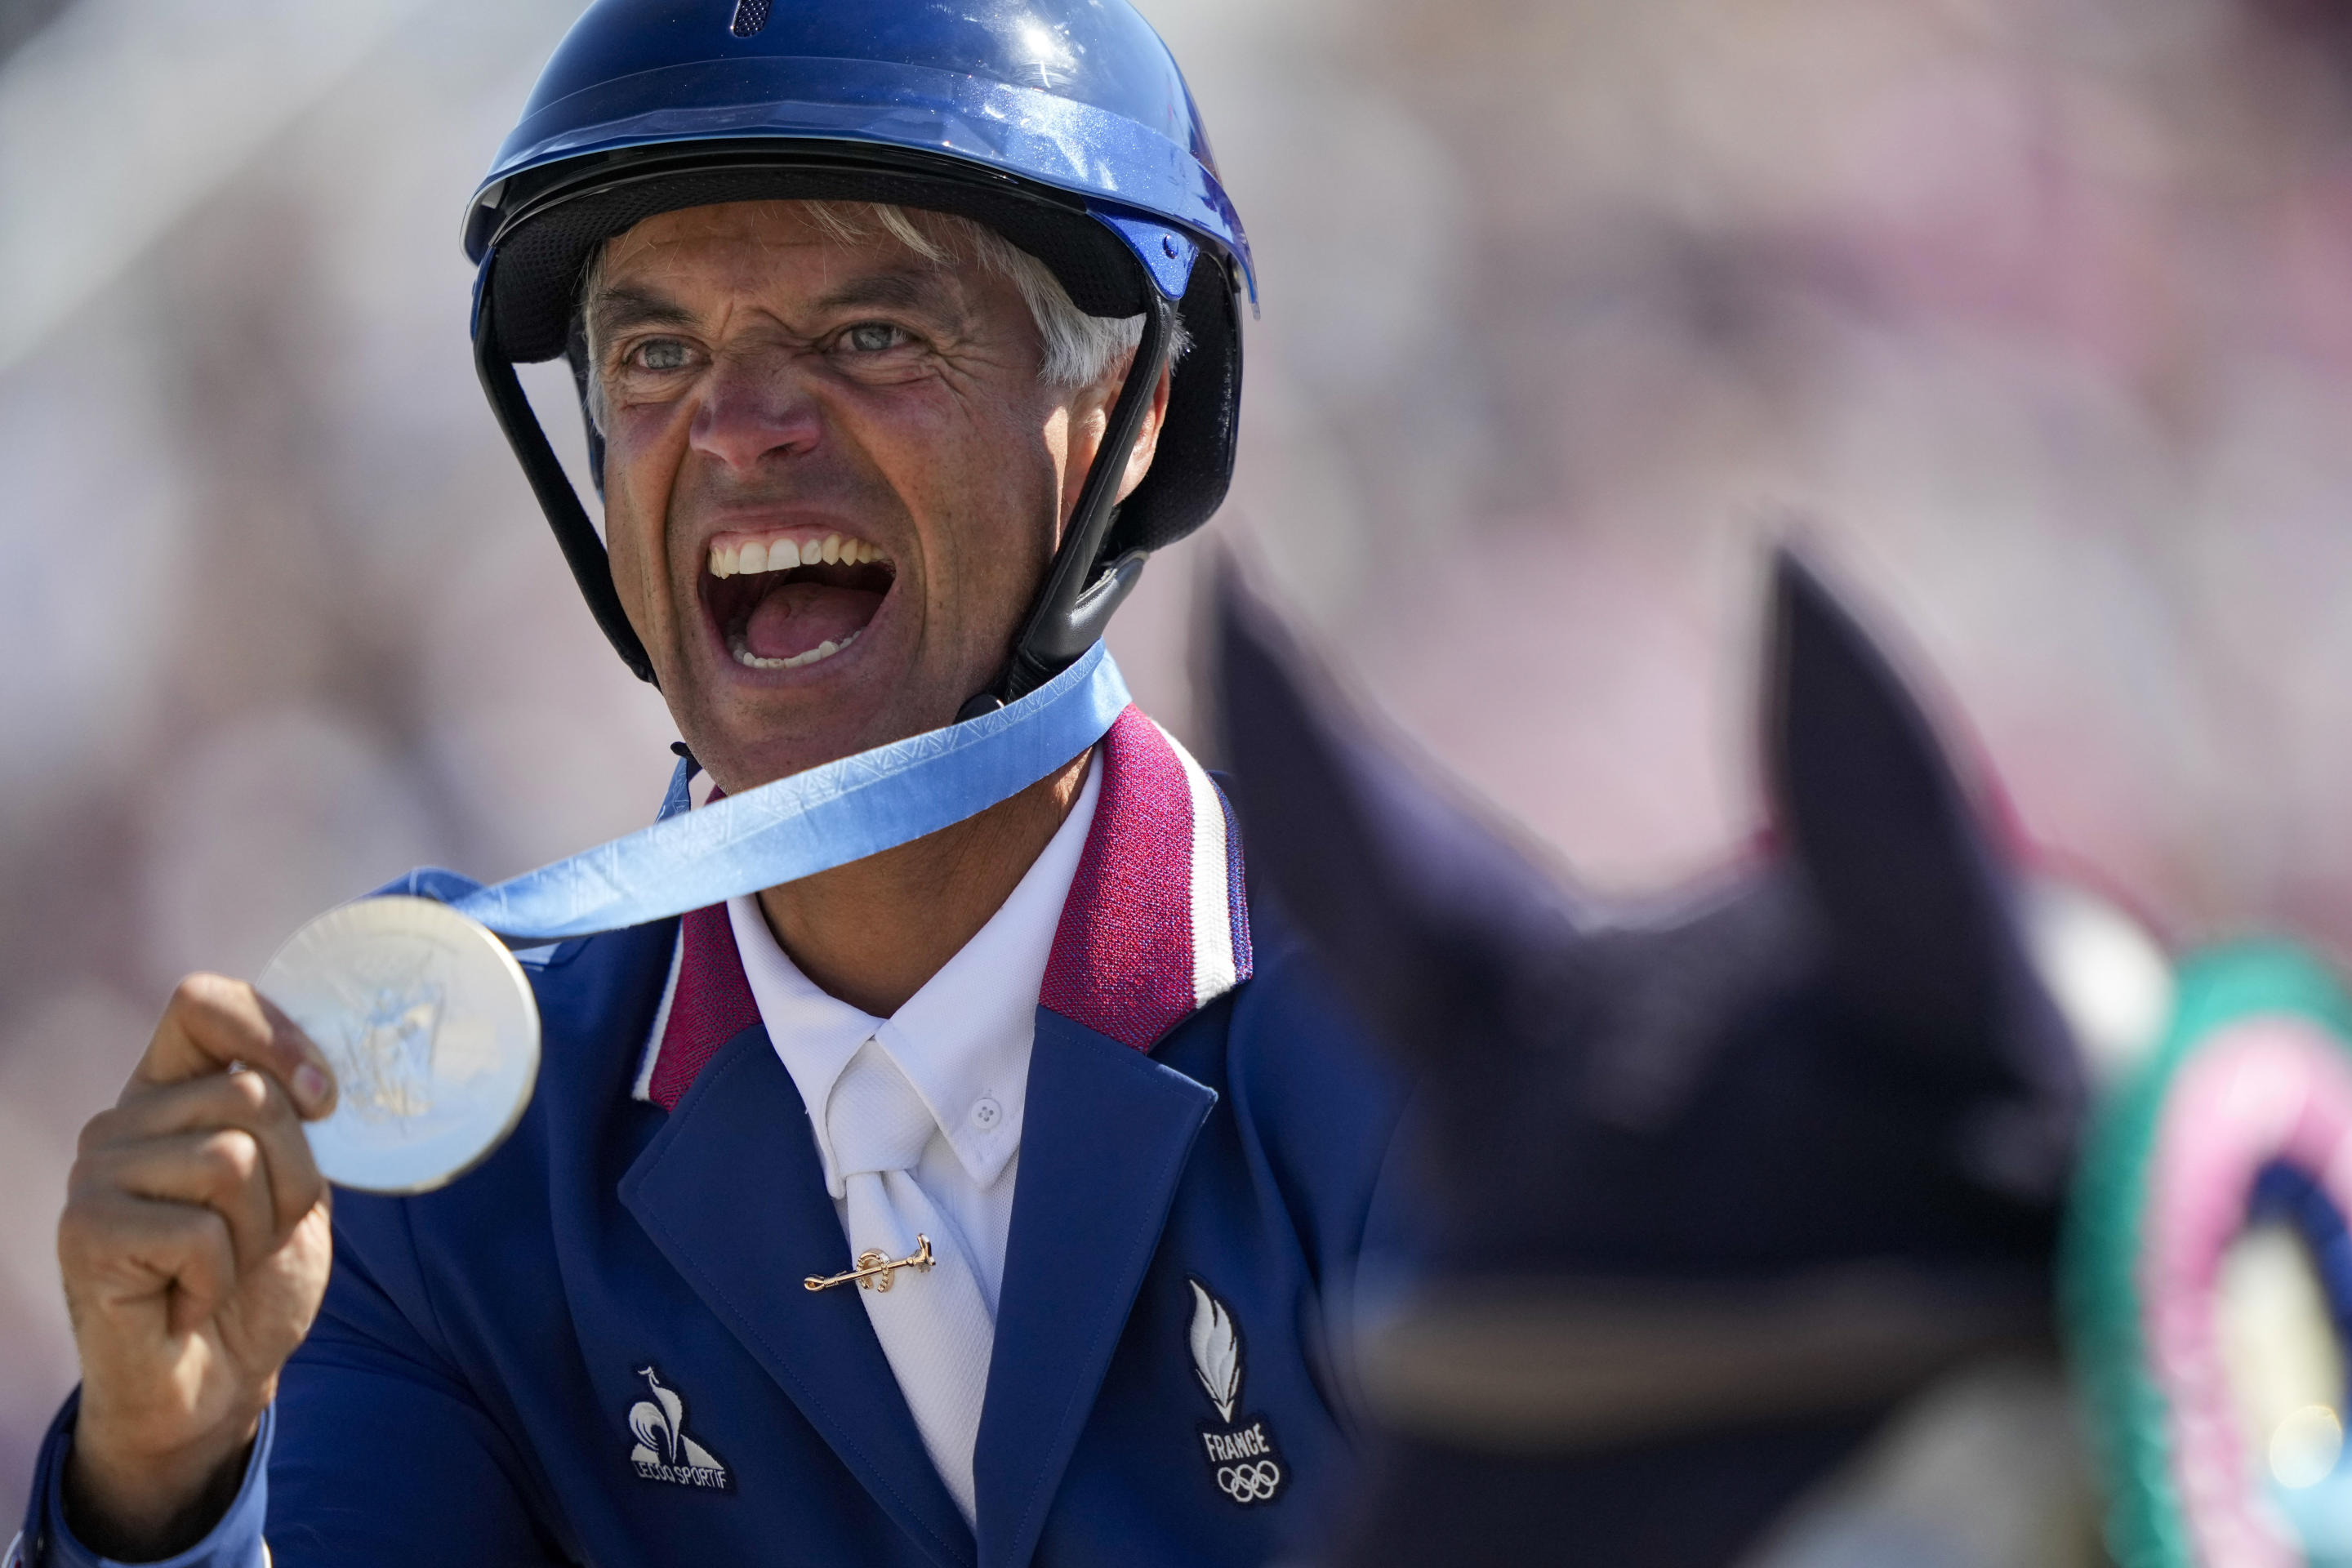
x=311, y=1086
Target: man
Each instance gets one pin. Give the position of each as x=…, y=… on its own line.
x=977, y=1201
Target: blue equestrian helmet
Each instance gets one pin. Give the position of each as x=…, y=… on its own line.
x=1064, y=125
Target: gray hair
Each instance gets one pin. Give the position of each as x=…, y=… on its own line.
x=1079, y=349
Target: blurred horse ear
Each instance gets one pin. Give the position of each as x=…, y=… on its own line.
x=1424, y=915
x=1881, y=831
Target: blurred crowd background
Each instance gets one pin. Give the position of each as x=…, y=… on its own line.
x=2033, y=317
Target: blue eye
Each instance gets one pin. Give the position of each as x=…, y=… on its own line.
x=663, y=353
x=874, y=337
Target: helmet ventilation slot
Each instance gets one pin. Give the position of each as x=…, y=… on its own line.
x=751, y=15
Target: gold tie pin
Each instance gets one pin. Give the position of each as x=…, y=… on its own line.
x=874, y=1272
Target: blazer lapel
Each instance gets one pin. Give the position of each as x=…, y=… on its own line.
x=731, y=1192
x=1155, y=927
x=1106, y=1135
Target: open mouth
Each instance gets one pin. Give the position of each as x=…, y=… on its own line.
x=783, y=601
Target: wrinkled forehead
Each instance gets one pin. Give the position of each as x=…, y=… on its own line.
x=762, y=245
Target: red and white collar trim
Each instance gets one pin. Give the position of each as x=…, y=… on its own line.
x=1155, y=928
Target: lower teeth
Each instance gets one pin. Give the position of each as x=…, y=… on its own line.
x=744, y=656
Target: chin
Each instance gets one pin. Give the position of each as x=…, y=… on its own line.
x=751, y=727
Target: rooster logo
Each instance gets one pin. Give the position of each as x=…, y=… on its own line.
x=663, y=1451
x=1216, y=1352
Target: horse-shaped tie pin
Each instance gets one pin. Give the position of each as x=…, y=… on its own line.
x=874, y=1271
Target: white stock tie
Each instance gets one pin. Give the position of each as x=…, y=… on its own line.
x=934, y=1326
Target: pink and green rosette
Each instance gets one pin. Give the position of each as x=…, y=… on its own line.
x=2241, y=1116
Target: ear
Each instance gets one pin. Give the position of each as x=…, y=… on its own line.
x=1427, y=918
x=575, y=354
x=1147, y=438
x=1881, y=831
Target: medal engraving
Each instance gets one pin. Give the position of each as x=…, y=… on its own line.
x=384, y=1059
x=431, y=1029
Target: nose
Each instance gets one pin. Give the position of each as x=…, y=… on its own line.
x=759, y=406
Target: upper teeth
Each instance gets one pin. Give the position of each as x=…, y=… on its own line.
x=783, y=554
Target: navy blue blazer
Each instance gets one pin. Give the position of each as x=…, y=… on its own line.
x=596, y=1348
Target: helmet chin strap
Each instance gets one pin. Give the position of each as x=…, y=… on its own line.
x=1074, y=606
x=584, y=548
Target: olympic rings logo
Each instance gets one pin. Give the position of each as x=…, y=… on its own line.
x=1250, y=1482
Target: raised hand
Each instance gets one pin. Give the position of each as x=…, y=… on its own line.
x=196, y=1247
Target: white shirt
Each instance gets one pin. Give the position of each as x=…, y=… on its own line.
x=963, y=1041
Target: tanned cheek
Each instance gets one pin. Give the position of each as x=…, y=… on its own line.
x=622, y=531
x=914, y=443
x=634, y=528
x=649, y=469
x=1008, y=564
x=979, y=524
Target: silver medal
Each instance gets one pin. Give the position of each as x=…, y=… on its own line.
x=432, y=1031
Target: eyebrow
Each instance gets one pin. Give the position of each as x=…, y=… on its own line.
x=903, y=290
x=622, y=306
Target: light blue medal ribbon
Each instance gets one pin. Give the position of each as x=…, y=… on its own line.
x=385, y=983
x=811, y=821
